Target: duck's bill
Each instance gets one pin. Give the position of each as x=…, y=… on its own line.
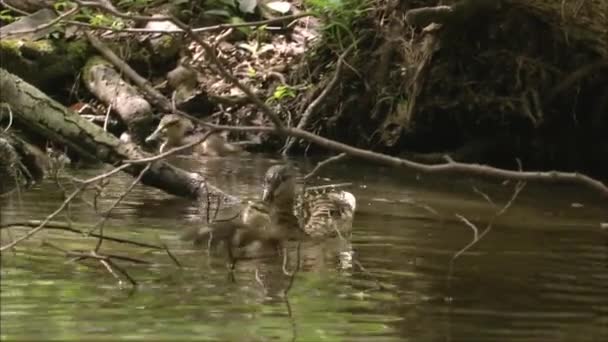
x=266, y=195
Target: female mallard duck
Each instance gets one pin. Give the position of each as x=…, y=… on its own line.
x=317, y=215
x=178, y=131
x=277, y=217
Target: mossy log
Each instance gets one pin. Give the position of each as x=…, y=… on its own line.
x=43, y=63
x=36, y=111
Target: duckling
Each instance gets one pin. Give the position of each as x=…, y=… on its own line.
x=179, y=131
x=317, y=215
x=249, y=234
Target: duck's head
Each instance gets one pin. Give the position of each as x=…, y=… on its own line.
x=279, y=184
x=172, y=127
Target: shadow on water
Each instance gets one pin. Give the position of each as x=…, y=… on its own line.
x=539, y=275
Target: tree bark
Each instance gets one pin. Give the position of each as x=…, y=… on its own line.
x=35, y=110
x=107, y=85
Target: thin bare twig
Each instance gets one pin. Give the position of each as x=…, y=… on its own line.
x=292, y=275
x=485, y=196
x=106, y=215
x=478, y=236
x=79, y=256
x=14, y=9
x=107, y=118
x=69, y=228
x=111, y=270
x=56, y=225
x=10, y=117
x=122, y=271
x=470, y=225
x=322, y=164
x=44, y=222
x=333, y=186
x=177, y=263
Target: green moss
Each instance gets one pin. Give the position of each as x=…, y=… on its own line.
x=166, y=41
x=78, y=49
x=168, y=47
x=42, y=47
x=10, y=55
x=45, y=62
x=10, y=46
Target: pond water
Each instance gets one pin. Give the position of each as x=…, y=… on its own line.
x=540, y=274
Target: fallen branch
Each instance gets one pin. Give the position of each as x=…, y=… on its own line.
x=105, y=260
x=68, y=227
x=448, y=167
x=57, y=225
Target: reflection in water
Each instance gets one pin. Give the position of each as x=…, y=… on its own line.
x=540, y=275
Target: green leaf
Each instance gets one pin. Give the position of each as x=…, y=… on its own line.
x=6, y=16
x=238, y=20
x=283, y=91
x=247, y=6
x=279, y=6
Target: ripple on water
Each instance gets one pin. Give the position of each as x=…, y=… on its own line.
x=540, y=274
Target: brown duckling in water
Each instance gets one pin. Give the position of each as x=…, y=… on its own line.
x=178, y=131
x=248, y=235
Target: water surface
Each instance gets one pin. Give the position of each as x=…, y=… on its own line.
x=541, y=274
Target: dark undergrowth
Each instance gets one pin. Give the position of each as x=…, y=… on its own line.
x=492, y=92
